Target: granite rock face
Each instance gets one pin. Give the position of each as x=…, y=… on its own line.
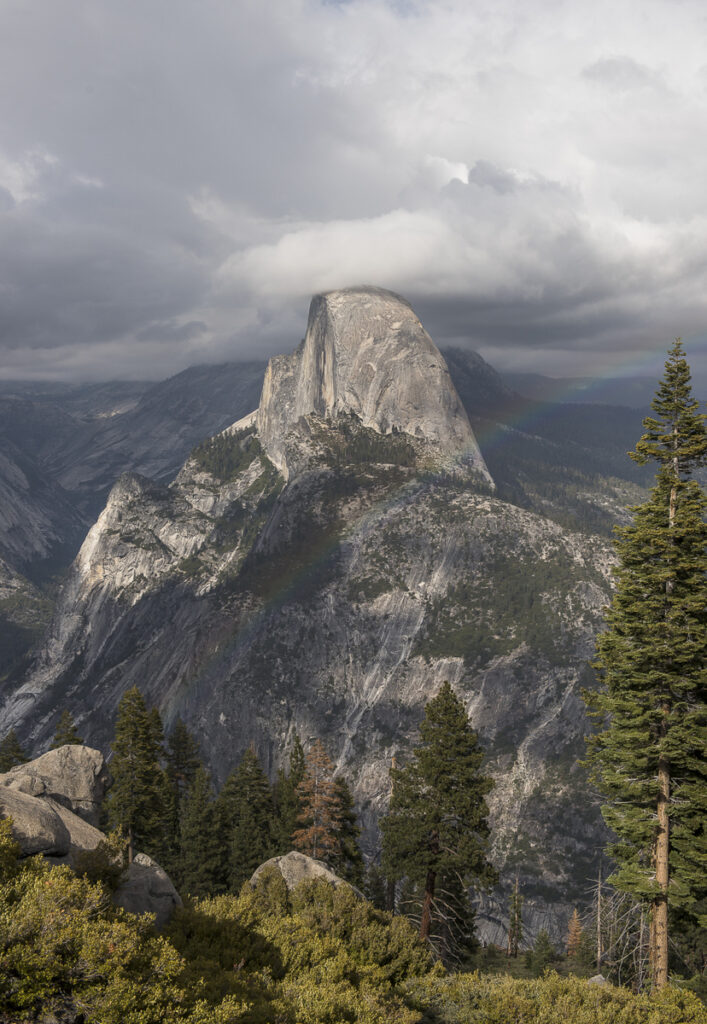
x=298, y=867
x=366, y=353
x=73, y=776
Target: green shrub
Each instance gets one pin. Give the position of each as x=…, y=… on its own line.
x=500, y=999
x=106, y=863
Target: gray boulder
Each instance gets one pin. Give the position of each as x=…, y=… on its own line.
x=298, y=867
x=36, y=826
x=147, y=888
x=73, y=776
x=82, y=836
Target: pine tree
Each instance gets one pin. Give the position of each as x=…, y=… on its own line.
x=136, y=800
x=649, y=757
x=347, y=859
x=66, y=734
x=182, y=759
x=375, y=887
x=320, y=817
x=182, y=762
x=246, y=816
x=515, y=921
x=543, y=953
x=11, y=752
x=574, y=935
x=287, y=802
x=201, y=859
x=436, y=829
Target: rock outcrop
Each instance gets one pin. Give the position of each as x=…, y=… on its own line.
x=366, y=353
x=146, y=887
x=36, y=826
x=73, y=776
x=298, y=867
x=51, y=802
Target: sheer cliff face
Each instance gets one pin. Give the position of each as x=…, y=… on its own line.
x=366, y=353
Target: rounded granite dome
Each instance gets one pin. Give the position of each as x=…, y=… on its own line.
x=365, y=352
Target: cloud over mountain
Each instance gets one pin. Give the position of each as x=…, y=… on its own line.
x=176, y=180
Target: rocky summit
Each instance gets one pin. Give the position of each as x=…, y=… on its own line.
x=365, y=354
x=321, y=567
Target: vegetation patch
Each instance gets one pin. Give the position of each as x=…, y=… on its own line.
x=494, y=612
x=225, y=456
x=368, y=588
x=352, y=444
x=482, y=998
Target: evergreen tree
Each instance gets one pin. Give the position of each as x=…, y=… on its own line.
x=436, y=830
x=347, y=859
x=11, y=752
x=515, y=921
x=320, y=817
x=136, y=800
x=543, y=953
x=649, y=757
x=245, y=812
x=182, y=759
x=375, y=887
x=66, y=734
x=200, y=859
x=586, y=958
x=182, y=762
x=574, y=935
x=287, y=802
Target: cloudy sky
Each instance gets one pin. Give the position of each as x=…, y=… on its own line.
x=177, y=177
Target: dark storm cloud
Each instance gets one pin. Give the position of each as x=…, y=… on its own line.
x=177, y=179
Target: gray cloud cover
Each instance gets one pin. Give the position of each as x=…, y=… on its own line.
x=176, y=179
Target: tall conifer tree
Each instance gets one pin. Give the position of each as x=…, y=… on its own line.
x=182, y=762
x=437, y=828
x=245, y=811
x=649, y=757
x=515, y=921
x=320, y=817
x=136, y=800
x=347, y=860
x=182, y=759
x=200, y=860
x=287, y=801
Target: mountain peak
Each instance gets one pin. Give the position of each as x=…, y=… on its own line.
x=366, y=353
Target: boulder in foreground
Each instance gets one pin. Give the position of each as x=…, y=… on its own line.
x=298, y=867
x=74, y=776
